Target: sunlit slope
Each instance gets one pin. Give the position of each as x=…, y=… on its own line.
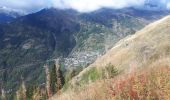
x=143, y=48
x=143, y=61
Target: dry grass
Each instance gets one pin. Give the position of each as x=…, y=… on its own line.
x=152, y=83
x=144, y=60
x=142, y=48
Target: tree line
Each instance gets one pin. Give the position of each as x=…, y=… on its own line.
x=54, y=83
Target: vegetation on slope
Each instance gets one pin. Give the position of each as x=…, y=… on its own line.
x=94, y=74
x=144, y=62
x=151, y=83
x=28, y=42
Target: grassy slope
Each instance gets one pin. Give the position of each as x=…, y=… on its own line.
x=143, y=48
x=144, y=62
x=152, y=83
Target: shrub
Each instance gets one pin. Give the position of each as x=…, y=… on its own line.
x=111, y=71
x=91, y=75
x=147, y=85
x=94, y=74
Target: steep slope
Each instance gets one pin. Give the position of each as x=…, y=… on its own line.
x=5, y=18
x=101, y=29
x=27, y=42
x=144, y=48
x=143, y=56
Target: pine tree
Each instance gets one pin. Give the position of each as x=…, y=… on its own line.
x=49, y=94
x=59, y=75
x=60, y=79
x=53, y=80
x=24, y=90
x=56, y=78
x=21, y=93
x=36, y=94
x=3, y=96
x=30, y=91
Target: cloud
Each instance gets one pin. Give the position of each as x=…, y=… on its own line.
x=25, y=5
x=91, y=5
x=168, y=5
x=80, y=5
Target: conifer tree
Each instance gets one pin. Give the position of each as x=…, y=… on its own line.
x=3, y=96
x=36, y=94
x=30, y=91
x=53, y=80
x=24, y=90
x=60, y=79
x=56, y=78
x=21, y=93
x=49, y=94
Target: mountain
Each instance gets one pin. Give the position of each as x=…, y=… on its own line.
x=142, y=64
x=154, y=5
x=29, y=42
x=143, y=48
x=103, y=28
x=7, y=14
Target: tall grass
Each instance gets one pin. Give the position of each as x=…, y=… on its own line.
x=153, y=84
x=93, y=74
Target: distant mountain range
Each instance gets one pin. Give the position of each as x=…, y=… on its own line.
x=7, y=14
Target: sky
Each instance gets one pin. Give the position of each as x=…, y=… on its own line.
x=79, y=5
